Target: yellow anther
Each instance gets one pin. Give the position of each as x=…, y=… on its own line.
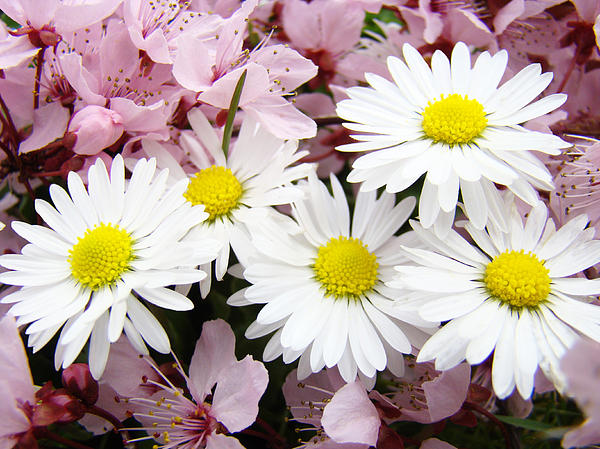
x=345, y=267
x=217, y=188
x=101, y=256
x=517, y=279
x=453, y=120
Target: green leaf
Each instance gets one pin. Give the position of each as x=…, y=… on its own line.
x=9, y=22
x=528, y=424
x=235, y=101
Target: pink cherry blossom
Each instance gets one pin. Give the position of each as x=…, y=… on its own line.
x=110, y=75
x=577, y=191
x=14, y=50
x=581, y=365
x=425, y=395
x=315, y=29
x=235, y=388
x=213, y=67
x=341, y=414
x=126, y=375
x=155, y=26
x=16, y=386
x=49, y=123
x=46, y=25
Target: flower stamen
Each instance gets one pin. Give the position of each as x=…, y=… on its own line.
x=453, y=120
x=517, y=279
x=345, y=267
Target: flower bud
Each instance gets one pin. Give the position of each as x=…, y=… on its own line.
x=56, y=406
x=78, y=381
x=96, y=128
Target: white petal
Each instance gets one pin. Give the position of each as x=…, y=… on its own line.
x=148, y=326
x=99, y=346
x=166, y=298
x=526, y=354
x=504, y=359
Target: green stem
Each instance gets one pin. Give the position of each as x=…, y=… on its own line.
x=235, y=101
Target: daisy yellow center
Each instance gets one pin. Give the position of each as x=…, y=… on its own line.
x=454, y=119
x=101, y=256
x=517, y=279
x=215, y=187
x=345, y=267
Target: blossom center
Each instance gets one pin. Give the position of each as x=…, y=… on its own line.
x=217, y=188
x=101, y=256
x=517, y=279
x=453, y=120
x=345, y=267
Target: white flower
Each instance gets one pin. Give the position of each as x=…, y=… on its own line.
x=515, y=298
x=324, y=286
x=238, y=190
x=107, y=248
x=455, y=124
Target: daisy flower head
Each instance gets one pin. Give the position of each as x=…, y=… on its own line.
x=514, y=296
x=323, y=287
x=239, y=189
x=107, y=248
x=453, y=123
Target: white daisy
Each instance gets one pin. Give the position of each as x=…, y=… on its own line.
x=238, y=190
x=454, y=123
x=107, y=248
x=515, y=298
x=324, y=286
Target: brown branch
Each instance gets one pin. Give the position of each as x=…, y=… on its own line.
x=14, y=135
x=324, y=121
x=39, y=59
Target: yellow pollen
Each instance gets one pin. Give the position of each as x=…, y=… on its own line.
x=101, y=256
x=517, y=279
x=345, y=268
x=453, y=120
x=217, y=188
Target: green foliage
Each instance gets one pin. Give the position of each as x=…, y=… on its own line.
x=10, y=23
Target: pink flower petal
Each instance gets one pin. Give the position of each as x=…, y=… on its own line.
x=587, y=9
x=14, y=367
x=71, y=17
x=36, y=16
x=586, y=434
x=281, y=118
x=125, y=369
x=13, y=420
x=215, y=351
x=285, y=65
x=256, y=85
x=49, y=123
x=239, y=388
x=446, y=393
x=14, y=10
x=351, y=417
x=300, y=25
x=220, y=441
x=466, y=27
x=193, y=64
x=96, y=128
x=507, y=14
x=86, y=84
x=141, y=118
x=434, y=443
x=14, y=50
